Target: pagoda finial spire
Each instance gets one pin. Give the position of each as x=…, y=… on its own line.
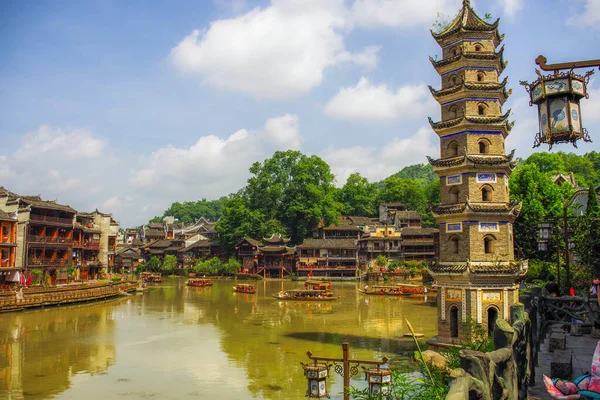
x=466, y=3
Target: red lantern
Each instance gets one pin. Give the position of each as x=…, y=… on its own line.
x=282, y=254
x=236, y=247
x=255, y=256
x=254, y=248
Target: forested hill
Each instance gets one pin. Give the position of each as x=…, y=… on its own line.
x=420, y=172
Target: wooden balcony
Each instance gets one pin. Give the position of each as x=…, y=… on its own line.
x=41, y=261
x=92, y=245
x=51, y=220
x=49, y=239
x=5, y=264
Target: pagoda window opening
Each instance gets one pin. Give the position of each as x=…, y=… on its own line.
x=454, y=51
x=452, y=112
x=454, y=243
x=484, y=146
x=486, y=193
x=492, y=316
x=478, y=47
x=453, y=148
x=480, y=76
x=454, y=194
x=454, y=322
x=481, y=109
x=488, y=244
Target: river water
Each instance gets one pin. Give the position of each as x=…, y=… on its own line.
x=176, y=342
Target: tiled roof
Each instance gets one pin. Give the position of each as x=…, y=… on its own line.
x=253, y=242
x=91, y=230
x=328, y=244
x=276, y=238
x=466, y=20
x=4, y=216
x=409, y=214
x=155, y=225
x=452, y=269
x=362, y=221
x=445, y=124
x=417, y=231
x=160, y=244
x=154, y=233
x=197, y=245
x=36, y=202
x=278, y=249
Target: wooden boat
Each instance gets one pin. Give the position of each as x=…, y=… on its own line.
x=405, y=289
x=304, y=295
x=150, y=277
x=408, y=288
x=199, y=282
x=382, y=290
x=317, y=285
x=244, y=288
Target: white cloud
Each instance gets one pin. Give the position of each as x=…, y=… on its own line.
x=511, y=7
x=404, y=14
x=73, y=144
x=278, y=51
x=283, y=131
x=209, y=168
x=590, y=108
x=368, y=102
x=377, y=163
x=590, y=17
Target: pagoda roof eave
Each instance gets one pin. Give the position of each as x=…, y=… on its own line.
x=466, y=21
x=495, y=60
x=510, y=211
x=465, y=126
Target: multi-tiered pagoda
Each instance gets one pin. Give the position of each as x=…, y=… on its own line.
x=476, y=271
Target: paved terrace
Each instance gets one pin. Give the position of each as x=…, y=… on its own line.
x=582, y=348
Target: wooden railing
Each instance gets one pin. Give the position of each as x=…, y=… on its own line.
x=49, y=239
x=47, y=218
x=5, y=263
x=92, y=245
x=48, y=261
x=5, y=239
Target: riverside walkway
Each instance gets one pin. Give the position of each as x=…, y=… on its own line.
x=582, y=348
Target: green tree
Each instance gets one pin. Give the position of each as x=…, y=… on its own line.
x=208, y=267
x=169, y=264
x=409, y=192
x=587, y=235
x=231, y=266
x=358, y=197
x=295, y=189
x=238, y=220
x=540, y=199
x=153, y=264
x=381, y=261
x=419, y=172
x=547, y=162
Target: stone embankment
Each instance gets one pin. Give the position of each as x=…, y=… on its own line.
x=54, y=296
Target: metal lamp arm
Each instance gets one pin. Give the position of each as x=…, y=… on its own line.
x=541, y=61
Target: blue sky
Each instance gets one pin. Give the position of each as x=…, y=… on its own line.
x=127, y=106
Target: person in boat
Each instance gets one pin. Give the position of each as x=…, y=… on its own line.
x=366, y=287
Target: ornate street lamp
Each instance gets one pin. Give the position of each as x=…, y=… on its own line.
x=317, y=380
x=545, y=235
x=557, y=97
x=379, y=380
x=317, y=373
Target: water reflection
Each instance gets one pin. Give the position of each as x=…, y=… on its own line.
x=39, y=355
x=181, y=342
